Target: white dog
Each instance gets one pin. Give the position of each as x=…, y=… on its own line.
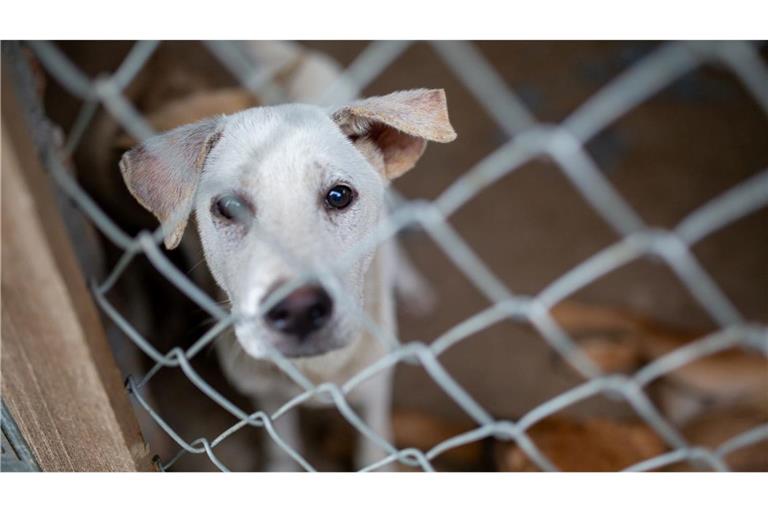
x=280, y=193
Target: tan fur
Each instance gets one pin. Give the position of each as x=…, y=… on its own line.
x=399, y=124
x=585, y=445
x=414, y=429
x=193, y=108
x=623, y=341
x=717, y=427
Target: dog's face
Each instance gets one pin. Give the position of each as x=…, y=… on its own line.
x=283, y=193
x=280, y=193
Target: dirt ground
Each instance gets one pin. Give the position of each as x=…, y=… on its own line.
x=666, y=157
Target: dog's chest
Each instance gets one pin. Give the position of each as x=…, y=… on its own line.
x=259, y=377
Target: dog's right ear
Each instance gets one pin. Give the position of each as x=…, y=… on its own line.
x=162, y=173
x=398, y=125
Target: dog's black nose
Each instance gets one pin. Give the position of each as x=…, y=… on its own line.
x=302, y=312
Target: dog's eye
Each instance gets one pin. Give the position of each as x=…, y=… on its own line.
x=339, y=197
x=231, y=208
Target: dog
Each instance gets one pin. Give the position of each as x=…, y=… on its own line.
x=281, y=193
x=622, y=341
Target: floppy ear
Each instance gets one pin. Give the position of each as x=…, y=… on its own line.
x=398, y=125
x=162, y=173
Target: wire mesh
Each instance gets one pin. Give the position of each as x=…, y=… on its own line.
x=564, y=143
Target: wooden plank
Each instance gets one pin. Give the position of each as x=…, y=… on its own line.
x=59, y=379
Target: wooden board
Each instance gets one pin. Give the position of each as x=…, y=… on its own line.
x=59, y=379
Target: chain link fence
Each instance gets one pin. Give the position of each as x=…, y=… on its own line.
x=564, y=143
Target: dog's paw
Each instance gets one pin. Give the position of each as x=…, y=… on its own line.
x=286, y=465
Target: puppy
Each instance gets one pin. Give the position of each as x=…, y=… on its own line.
x=282, y=198
x=621, y=341
x=593, y=444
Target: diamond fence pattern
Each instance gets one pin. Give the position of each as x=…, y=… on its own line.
x=528, y=138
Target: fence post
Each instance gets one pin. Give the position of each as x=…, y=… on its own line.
x=59, y=379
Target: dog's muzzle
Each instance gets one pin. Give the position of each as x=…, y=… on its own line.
x=302, y=312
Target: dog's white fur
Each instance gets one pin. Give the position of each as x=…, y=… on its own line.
x=282, y=160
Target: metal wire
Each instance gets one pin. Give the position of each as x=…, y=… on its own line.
x=564, y=144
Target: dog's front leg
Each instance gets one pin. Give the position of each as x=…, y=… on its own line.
x=376, y=408
x=287, y=428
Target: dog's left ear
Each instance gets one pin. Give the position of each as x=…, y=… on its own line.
x=162, y=173
x=397, y=125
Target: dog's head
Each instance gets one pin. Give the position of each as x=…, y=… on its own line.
x=280, y=191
